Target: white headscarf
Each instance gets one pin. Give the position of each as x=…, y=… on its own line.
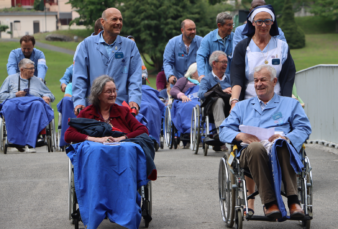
x=251, y=18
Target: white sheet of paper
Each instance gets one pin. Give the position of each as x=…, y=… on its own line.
x=260, y=133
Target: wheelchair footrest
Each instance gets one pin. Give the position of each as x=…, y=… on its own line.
x=264, y=218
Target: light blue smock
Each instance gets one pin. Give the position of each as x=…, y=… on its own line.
x=209, y=81
x=209, y=44
x=68, y=76
x=36, y=87
x=37, y=57
x=69, y=89
x=284, y=113
x=176, y=60
x=124, y=66
x=239, y=37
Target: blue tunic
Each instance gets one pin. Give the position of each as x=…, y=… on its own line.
x=37, y=57
x=209, y=44
x=284, y=113
x=68, y=76
x=176, y=60
x=65, y=107
x=209, y=81
x=124, y=66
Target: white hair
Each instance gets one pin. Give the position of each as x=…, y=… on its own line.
x=191, y=70
x=215, y=55
x=271, y=70
x=222, y=17
x=24, y=62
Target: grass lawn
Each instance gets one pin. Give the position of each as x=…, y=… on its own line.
x=319, y=49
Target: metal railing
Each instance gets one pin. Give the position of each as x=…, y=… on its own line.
x=318, y=88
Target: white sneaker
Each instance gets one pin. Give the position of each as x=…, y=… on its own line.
x=29, y=150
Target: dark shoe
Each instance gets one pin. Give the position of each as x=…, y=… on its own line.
x=40, y=142
x=20, y=149
x=216, y=148
x=296, y=212
x=273, y=212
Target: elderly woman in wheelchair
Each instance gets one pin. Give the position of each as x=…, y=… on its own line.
x=114, y=170
x=273, y=159
x=25, y=98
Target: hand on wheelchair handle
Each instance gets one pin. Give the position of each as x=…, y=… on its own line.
x=77, y=109
x=134, y=111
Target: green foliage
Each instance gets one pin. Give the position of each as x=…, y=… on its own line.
x=16, y=9
x=154, y=22
x=327, y=9
x=39, y=5
x=278, y=5
x=315, y=24
x=293, y=33
x=91, y=10
x=3, y=28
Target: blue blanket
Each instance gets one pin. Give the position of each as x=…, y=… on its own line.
x=66, y=108
x=181, y=112
x=25, y=118
x=106, y=181
x=151, y=108
x=296, y=164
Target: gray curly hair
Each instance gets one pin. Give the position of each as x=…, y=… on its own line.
x=97, y=88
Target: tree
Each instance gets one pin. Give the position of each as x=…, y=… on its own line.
x=327, y=9
x=39, y=5
x=3, y=28
x=91, y=10
x=154, y=22
x=293, y=33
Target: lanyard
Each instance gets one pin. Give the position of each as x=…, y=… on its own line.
x=29, y=83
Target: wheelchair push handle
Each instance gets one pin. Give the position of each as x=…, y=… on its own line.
x=78, y=110
x=133, y=111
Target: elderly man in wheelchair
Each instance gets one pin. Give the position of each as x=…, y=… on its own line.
x=25, y=106
x=275, y=158
x=108, y=166
x=215, y=91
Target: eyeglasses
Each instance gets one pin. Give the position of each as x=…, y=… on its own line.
x=30, y=69
x=266, y=22
x=109, y=92
x=222, y=62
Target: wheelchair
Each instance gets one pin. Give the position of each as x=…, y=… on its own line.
x=73, y=208
x=172, y=137
x=49, y=138
x=233, y=197
x=202, y=131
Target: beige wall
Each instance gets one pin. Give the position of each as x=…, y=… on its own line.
x=5, y=4
x=26, y=24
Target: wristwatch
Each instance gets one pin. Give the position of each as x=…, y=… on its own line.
x=232, y=99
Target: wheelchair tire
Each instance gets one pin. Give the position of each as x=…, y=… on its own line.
x=5, y=149
x=195, y=135
x=168, y=128
x=2, y=142
x=239, y=219
x=226, y=192
x=205, y=149
x=306, y=224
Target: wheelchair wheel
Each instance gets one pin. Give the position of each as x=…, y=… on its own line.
x=168, y=128
x=306, y=224
x=146, y=206
x=205, y=149
x=2, y=142
x=195, y=135
x=58, y=136
x=71, y=190
x=239, y=219
x=226, y=193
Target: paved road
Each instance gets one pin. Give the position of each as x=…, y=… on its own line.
x=45, y=46
x=34, y=191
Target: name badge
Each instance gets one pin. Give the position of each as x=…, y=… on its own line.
x=119, y=55
x=277, y=116
x=275, y=61
x=181, y=54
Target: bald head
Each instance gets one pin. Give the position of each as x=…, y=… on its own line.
x=188, y=29
x=187, y=21
x=112, y=23
x=109, y=11
x=256, y=3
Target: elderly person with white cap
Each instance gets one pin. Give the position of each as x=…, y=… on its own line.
x=189, y=80
x=261, y=47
